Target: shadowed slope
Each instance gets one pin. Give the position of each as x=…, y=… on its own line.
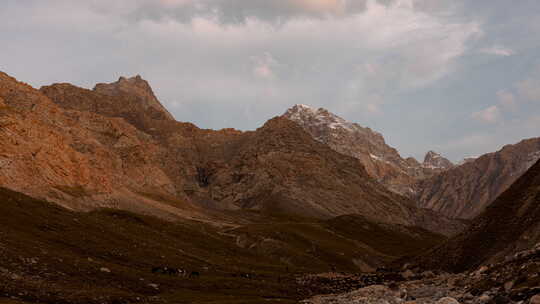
x=509, y=224
x=52, y=255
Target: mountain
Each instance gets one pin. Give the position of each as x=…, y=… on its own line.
x=457, y=191
x=115, y=146
x=80, y=159
x=508, y=225
x=465, y=191
x=381, y=161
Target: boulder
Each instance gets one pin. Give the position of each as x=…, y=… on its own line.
x=535, y=299
x=447, y=300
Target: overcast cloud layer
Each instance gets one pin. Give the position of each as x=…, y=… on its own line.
x=460, y=77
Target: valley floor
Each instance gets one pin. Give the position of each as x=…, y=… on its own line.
x=49, y=254
x=52, y=255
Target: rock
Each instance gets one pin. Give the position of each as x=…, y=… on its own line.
x=508, y=286
x=447, y=300
x=427, y=274
x=484, y=298
x=535, y=299
x=105, y=269
x=482, y=269
x=451, y=281
x=501, y=299
x=155, y=286
x=407, y=274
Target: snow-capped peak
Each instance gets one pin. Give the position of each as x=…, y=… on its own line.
x=303, y=113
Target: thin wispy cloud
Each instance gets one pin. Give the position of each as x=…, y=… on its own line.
x=498, y=51
x=491, y=114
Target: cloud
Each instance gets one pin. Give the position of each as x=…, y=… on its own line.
x=529, y=89
x=236, y=63
x=490, y=115
x=264, y=65
x=507, y=99
x=240, y=11
x=498, y=51
x=373, y=108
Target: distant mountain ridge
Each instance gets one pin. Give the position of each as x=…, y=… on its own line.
x=457, y=191
x=466, y=190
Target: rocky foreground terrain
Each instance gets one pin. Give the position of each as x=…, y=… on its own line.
x=496, y=260
x=516, y=280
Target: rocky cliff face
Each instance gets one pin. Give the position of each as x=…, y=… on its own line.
x=466, y=190
x=140, y=93
x=380, y=160
x=116, y=146
x=80, y=159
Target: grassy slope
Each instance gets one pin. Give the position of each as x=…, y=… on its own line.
x=52, y=255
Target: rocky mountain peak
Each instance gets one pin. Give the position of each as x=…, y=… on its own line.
x=381, y=161
x=306, y=115
x=436, y=161
x=137, y=88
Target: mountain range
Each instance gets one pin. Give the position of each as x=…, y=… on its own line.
x=116, y=146
x=307, y=192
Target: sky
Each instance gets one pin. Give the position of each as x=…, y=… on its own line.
x=460, y=77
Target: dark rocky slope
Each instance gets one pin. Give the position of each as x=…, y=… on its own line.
x=52, y=255
x=508, y=225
